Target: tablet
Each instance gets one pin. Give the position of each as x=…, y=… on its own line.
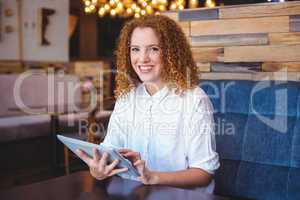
x=87, y=147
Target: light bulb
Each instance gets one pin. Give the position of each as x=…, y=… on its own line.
x=120, y=5
x=87, y=3
x=173, y=6
x=181, y=7
x=106, y=7
x=133, y=6
x=101, y=11
x=138, y=9
x=129, y=10
x=136, y=15
x=87, y=10
x=144, y=4
x=113, y=12
x=112, y=2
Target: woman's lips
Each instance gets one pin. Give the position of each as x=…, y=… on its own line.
x=145, y=68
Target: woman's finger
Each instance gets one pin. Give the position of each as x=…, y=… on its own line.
x=96, y=154
x=124, y=150
x=117, y=171
x=112, y=165
x=84, y=156
x=139, y=163
x=140, y=166
x=132, y=156
x=103, y=160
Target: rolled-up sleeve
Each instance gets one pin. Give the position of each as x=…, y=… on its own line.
x=202, y=145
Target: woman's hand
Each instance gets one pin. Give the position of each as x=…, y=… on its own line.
x=99, y=168
x=132, y=156
x=147, y=177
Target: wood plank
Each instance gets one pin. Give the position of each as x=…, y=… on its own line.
x=260, y=10
x=295, y=23
x=240, y=26
x=249, y=67
x=279, y=66
x=284, y=38
x=203, y=67
x=171, y=14
x=225, y=76
x=185, y=27
x=88, y=68
x=8, y=67
x=198, y=14
x=88, y=37
x=211, y=54
x=272, y=53
x=257, y=76
x=229, y=40
x=278, y=76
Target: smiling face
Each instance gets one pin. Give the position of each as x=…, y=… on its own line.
x=145, y=57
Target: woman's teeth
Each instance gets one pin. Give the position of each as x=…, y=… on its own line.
x=145, y=68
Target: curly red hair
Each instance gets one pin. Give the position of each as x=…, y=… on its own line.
x=179, y=69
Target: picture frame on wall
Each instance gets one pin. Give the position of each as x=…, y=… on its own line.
x=43, y=24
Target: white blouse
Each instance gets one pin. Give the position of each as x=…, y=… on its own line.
x=171, y=132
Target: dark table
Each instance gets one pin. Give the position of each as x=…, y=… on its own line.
x=81, y=185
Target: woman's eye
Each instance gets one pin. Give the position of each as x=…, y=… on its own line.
x=155, y=49
x=134, y=49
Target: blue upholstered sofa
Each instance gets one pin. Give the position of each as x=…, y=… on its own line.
x=258, y=137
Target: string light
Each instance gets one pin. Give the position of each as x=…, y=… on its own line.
x=210, y=3
x=193, y=3
x=138, y=8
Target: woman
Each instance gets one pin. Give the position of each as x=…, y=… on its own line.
x=162, y=122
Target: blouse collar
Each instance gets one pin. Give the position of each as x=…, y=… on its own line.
x=157, y=97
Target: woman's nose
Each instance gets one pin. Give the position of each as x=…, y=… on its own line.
x=144, y=56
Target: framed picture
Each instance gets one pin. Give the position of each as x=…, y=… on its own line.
x=44, y=22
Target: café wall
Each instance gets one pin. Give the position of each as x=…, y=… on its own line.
x=240, y=49
x=23, y=42
x=246, y=42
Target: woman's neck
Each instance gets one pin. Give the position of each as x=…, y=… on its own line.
x=153, y=88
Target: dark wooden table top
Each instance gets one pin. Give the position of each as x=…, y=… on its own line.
x=81, y=186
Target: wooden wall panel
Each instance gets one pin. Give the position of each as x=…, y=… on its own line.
x=184, y=25
x=275, y=66
x=199, y=14
x=243, y=67
x=245, y=42
x=208, y=54
x=282, y=76
x=225, y=76
x=203, y=67
x=8, y=67
x=88, y=37
x=229, y=40
x=258, y=76
x=172, y=15
x=260, y=10
x=295, y=23
x=272, y=53
x=240, y=26
x=284, y=38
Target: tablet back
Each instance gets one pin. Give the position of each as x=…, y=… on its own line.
x=87, y=147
